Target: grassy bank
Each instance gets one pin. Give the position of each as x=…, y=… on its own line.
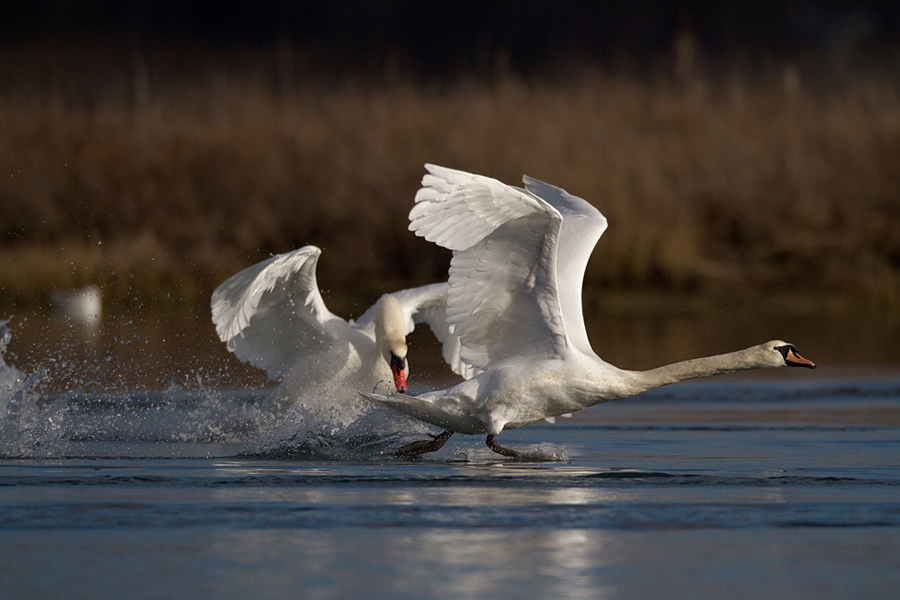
x=157, y=187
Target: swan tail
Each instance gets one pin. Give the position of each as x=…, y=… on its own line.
x=410, y=405
x=435, y=413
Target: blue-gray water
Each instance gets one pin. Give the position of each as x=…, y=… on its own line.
x=758, y=490
x=773, y=487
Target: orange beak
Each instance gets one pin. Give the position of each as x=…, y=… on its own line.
x=399, y=380
x=795, y=360
x=398, y=371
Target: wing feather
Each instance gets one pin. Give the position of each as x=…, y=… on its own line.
x=270, y=313
x=582, y=226
x=502, y=300
x=455, y=209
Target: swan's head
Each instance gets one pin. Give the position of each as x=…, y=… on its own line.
x=399, y=369
x=390, y=336
x=783, y=354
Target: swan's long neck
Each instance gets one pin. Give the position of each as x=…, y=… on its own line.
x=390, y=327
x=697, y=367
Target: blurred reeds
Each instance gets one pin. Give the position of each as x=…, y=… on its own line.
x=156, y=180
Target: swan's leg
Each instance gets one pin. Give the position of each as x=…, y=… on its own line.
x=417, y=448
x=493, y=445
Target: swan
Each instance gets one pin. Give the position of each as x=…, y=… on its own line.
x=83, y=306
x=514, y=301
x=272, y=316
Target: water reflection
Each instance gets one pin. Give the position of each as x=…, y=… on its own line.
x=446, y=563
x=397, y=496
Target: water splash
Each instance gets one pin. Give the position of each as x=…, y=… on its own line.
x=535, y=453
x=18, y=411
x=37, y=420
x=338, y=425
x=11, y=379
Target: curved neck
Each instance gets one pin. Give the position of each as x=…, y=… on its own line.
x=390, y=327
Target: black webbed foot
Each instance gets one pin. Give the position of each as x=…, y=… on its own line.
x=493, y=445
x=418, y=448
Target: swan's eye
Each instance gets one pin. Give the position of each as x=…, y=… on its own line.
x=784, y=350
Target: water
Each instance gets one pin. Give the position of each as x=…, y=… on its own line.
x=779, y=487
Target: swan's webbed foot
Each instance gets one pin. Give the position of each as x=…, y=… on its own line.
x=418, y=448
x=493, y=445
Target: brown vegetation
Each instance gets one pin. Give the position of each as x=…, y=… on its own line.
x=157, y=190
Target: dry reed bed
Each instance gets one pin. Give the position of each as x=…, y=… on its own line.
x=732, y=186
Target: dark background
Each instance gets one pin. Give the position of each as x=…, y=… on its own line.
x=436, y=38
x=747, y=155
x=154, y=148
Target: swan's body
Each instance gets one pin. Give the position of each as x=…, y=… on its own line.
x=514, y=300
x=272, y=316
x=520, y=393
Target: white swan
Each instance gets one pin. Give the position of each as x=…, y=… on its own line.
x=272, y=316
x=83, y=306
x=514, y=300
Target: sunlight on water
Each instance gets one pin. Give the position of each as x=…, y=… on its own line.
x=138, y=450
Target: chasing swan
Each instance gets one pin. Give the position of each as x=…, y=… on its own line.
x=272, y=316
x=514, y=300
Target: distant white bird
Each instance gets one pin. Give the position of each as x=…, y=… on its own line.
x=514, y=300
x=272, y=316
x=83, y=305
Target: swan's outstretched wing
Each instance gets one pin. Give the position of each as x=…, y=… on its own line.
x=427, y=304
x=269, y=313
x=582, y=226
x=503, y=298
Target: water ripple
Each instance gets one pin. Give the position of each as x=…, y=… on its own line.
x=663, y=515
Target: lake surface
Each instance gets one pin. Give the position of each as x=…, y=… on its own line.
x=777, y=486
